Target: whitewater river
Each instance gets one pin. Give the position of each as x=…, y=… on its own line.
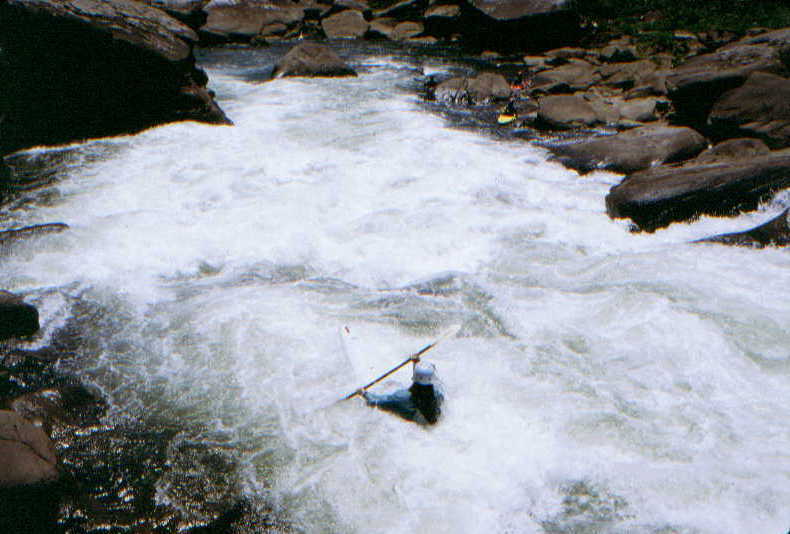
x=601, y=382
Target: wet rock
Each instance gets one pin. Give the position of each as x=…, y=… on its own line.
x=484, y=88
x=759, y=108
x=695, y=85
x=27, y=452
x=312, y=59
x=567, y=111
x=55, y=408
x=657, y=197
x=86, y=68
x=8, y=236
x=17, y=319
x=347, y=24
x=774, y=233
x=633, y=150
x=442, y=20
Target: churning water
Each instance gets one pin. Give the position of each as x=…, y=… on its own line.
x=602, y=381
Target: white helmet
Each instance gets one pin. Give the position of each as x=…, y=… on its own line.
x=423, y=373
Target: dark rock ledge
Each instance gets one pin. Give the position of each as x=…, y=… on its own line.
x=76, y=69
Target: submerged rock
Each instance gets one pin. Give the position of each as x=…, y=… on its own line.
x=17, y=319
x=76, y=69
x=312, y=59
x=666, y=194
x=774, y=233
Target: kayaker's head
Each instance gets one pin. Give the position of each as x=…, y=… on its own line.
x=424, y=373
x=423, y=392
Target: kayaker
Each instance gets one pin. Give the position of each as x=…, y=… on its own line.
x=420, y=403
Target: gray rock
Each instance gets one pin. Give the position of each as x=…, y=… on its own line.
x=243, y=21
x=759, y=108
x=27, y=452
x=383, y=27
x=628, y=75
x=774, y=233
x=442, y=11
x=347, y=24
x=311, y=59
x=17, y=319
x=666, y=194
x=632, y=150
x=619, y=51
x=404, y=10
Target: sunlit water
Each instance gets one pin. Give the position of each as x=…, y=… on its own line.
x=602, y=381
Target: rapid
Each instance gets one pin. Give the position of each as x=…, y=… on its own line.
x=602, y=381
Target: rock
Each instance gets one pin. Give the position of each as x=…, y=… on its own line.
x=276, y=29
x=28, y=453
x=404, y=10
x=190, y=12
x=628, y=75
x=7, y=236
x=774, y=233
x=59, y=407
x=77, y=69
x=510, y=25
x=759, y=108
x=620, y=51
x=695, y=85
x=406, y=30
x=654, y=84
x=560, y=56
x=567, y=111
x=640, y=109
x=632, y=150
x=576, y=75
x=382, y=28
x=311, y=59
x=243, y=21
x=17, y=319
x=666, y=194
x=442, y=12
x=733, y=149
x=347, y=24
x=484, y=88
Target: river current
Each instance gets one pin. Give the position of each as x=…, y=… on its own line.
x=602, y=381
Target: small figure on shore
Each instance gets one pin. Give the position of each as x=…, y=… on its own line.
x=508, y=114
x=420, y=403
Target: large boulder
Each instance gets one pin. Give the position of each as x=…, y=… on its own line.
x=666, y=194
x=511, y=25
x=311, y=59
x=774, y=233
x=759, y=108
x=190, y=12
x=77, y=69
x=347, y=24
x=695, y=85
x=243, y=21
x=484, y=88
x=632, y=150
x=17, y=319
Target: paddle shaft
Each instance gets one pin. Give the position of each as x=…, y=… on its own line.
x=413, y=358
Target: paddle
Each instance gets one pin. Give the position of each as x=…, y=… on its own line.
x=413, y=358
